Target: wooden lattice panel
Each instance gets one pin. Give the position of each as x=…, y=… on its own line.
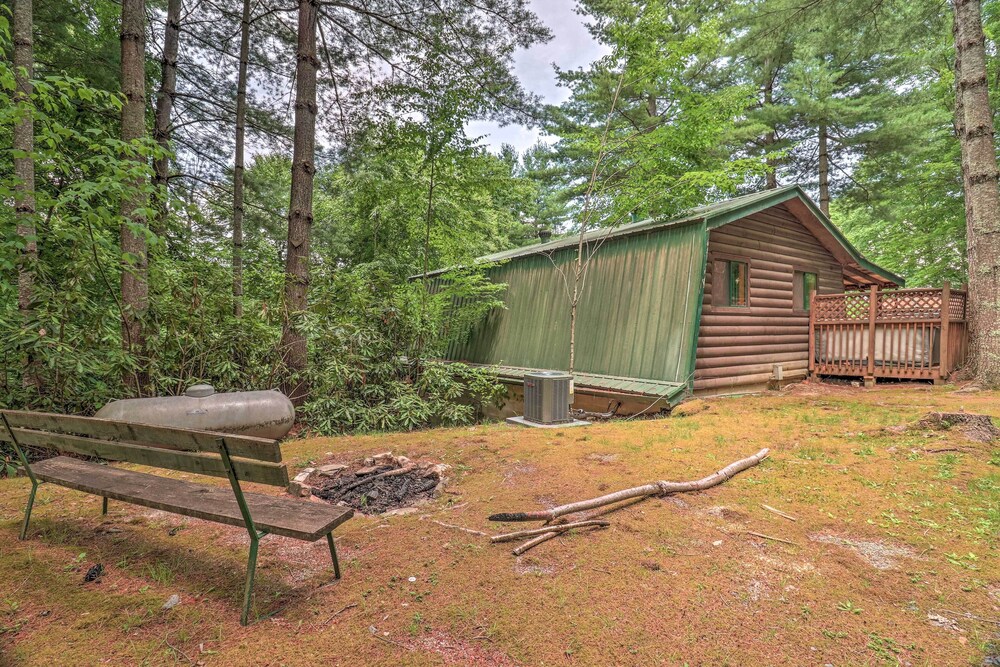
x=839, y=307
x=956, y=306
x=909, y=305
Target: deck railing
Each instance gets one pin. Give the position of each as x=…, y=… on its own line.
x=906, y=333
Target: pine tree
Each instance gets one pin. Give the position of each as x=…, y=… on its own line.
x=238, y=161
x=24, y=172
x=974, y=121
x=300, y=212
x=164, y=108
x=135, y=274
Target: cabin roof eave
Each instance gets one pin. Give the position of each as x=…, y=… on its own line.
x=723, y=213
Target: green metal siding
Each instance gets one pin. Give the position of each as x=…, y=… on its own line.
x=638, y=308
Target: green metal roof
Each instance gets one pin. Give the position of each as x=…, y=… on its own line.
x=714, y=215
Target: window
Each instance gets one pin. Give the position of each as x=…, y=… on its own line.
x=730, y=282
x=805, y=283
x=739, y=284
x=808, y=287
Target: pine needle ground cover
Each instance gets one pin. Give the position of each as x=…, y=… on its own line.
x=892, y=558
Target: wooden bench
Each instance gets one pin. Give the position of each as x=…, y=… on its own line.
x=240, y=458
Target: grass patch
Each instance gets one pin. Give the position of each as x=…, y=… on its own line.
x=885, y=534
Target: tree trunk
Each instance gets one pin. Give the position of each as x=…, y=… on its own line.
x=24, y=172
x=982, y=198
x=429, y=220
x=300, y=216
x=164, y=107
x=770, y=137
x=824, y=170
x=241, y=113
x=135, y=290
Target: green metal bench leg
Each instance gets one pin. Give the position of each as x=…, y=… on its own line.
x=104, y=505
x=27, y=510
x=251, y=571
x=333, y=553
x=254, y=534
x=27, y=471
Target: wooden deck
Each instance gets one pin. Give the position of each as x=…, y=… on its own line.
x=919, y=334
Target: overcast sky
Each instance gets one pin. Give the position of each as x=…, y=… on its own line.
x=571, y=46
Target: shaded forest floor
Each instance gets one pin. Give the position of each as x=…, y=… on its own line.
x=894, y=558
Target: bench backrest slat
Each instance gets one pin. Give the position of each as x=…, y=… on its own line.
x=164, y=437
x=160, y=447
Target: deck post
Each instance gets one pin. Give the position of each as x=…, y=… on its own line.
x=945, y=361
x=812, y=333
x=872, y=316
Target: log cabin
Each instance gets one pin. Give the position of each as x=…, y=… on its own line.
x=707, y=303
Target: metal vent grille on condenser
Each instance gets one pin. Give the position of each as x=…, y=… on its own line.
x=546, y=397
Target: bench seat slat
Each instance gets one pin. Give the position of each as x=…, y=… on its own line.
x=280, y=516
x=144, y=434
x=201, y=463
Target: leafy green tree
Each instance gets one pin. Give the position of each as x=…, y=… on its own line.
x=375, y=206
x=371, y=338
x=84, y=175
x=640, y=135
x=903, y=205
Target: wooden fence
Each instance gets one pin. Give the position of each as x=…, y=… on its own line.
x=906, y=333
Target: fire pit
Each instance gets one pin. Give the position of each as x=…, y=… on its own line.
x=379, y=483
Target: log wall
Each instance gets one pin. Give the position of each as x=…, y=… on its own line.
x=738, y=346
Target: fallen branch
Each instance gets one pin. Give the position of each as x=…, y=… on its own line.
x=372, y=478
x=373, y=631
x=779, y=512
x=462, y=528
x=771, y=537
x=561, y=528
x=179, y=652
x=545, y=537
x=660, y=488
x=342, y=610
x=554, y=533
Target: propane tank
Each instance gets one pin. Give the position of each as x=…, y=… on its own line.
x=262, y=414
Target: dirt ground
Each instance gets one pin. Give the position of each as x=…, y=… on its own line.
x=892, y=559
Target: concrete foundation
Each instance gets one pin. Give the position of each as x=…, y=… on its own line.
x=521, y=421
x=591, y=400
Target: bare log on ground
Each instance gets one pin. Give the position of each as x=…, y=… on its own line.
x=561, y=528
x=534, y=542
x=661, y=488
